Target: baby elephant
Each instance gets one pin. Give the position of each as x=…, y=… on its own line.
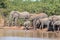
x=27, y=24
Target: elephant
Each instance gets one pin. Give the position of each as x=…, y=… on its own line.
x=35, y=17
x=56, y=25
x=42, y=22
x=38, y=24
x=15, y=15
x=13, y=18
x=27, y=24
x=25, y=15
x=53, y=19
x=40, y=15
x=45, y=21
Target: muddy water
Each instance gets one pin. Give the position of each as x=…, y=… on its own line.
x=6, y=34
x=24, y=38
x=28, y=33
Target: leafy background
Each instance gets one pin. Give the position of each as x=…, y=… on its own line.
x=49, y=7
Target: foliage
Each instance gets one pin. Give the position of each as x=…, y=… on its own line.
x=50, y=7
x=2, y=4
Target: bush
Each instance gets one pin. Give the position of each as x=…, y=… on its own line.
x=50, y=7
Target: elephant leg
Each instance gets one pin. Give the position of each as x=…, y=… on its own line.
x=9, y=24
x=48, y=25
x=15, y=21
x=34, y=24
x=39, y=25
x=42, y=25
x=12, y=22
x=53, y=27
x=4, y=22
x=58, y=27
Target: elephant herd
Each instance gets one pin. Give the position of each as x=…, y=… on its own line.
x=37, y=21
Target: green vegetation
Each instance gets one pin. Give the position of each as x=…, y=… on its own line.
x=50, y=7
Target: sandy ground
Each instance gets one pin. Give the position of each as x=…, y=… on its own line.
x=22, y=28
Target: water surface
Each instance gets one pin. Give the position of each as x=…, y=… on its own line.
x=10, y=34
x=23, y=38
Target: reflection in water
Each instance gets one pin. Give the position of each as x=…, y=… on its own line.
x=29, y=33
x=23, y=38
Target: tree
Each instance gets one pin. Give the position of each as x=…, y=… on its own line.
x=2, y=4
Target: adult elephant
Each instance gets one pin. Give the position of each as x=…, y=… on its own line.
x=53, y=19
x=25, y=15
x=40, y=15
x=15, y=15
x=41, y=22
x=35, y=17
x=44, y=21
x=56, y=25
x=13, y=18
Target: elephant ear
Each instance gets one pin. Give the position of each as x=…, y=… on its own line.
x=34, y=23
x=37, y=21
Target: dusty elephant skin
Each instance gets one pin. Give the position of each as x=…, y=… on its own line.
x=36, y=21
x=14, y=16
x=54, y=22
x=25, y=15
x=44, y=21
x=35, y=17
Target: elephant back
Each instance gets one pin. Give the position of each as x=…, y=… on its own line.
x=14, y=14
x=54, y=18
x=57, y=23
x=24, y=15
x=40, y=15
x=43, y=15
